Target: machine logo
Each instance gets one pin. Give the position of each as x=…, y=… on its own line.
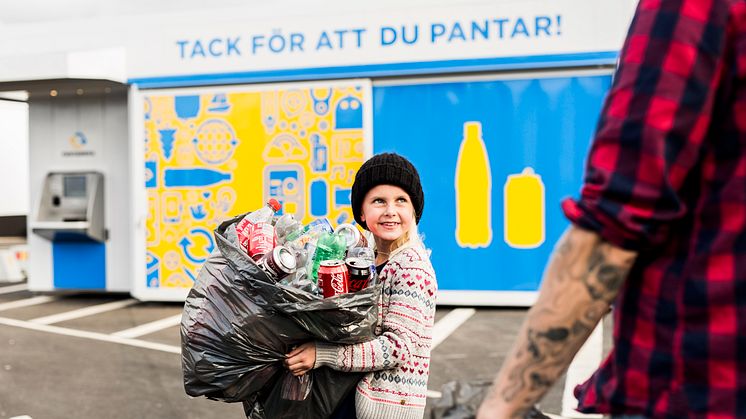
x=78, y=140
x=78, y=145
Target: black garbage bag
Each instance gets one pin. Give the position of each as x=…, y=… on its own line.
x=238, y=324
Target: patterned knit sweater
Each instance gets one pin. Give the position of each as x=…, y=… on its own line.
x=398, y=359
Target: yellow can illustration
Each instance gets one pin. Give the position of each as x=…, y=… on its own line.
x=473, y=190
x=524, y=210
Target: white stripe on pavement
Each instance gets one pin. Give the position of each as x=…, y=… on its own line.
x=83, y=312
x=32, y=301
x=90, y=335
x=449, y=323
x=148, y=328
x=443, y=328
x=585, y=362
x=13, y=288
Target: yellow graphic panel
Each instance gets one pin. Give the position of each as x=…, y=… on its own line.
x=524, y=210
x=213, y=155
x=473, y=190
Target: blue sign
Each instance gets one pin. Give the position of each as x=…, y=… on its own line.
x=495, y=159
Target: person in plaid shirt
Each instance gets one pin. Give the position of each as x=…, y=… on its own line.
x=659, y=231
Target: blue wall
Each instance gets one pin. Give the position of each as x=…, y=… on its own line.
x=543, y=123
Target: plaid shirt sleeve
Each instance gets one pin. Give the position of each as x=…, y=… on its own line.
x=654, y=122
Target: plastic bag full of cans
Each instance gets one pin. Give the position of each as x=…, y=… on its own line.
x=312, y=257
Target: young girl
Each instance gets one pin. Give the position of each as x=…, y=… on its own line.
x=387, y=200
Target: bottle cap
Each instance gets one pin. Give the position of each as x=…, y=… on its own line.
x=274, y=204
x=473, y=129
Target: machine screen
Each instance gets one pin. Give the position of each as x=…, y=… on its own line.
x=74, y=187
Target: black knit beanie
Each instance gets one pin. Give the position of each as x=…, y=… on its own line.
x=387, y=169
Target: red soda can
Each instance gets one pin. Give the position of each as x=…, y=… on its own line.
x=359, y=270
x=261, y=240
x=333, y=278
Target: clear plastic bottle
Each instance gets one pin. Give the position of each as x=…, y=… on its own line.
x=285, y=226
x=263, y=214
x=245, y=227
x=319, y=224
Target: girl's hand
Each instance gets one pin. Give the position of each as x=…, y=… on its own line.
x=301, y=359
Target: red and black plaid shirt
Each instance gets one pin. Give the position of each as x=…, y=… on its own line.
x=666, y=176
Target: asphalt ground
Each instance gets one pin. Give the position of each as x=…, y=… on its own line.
x=82, y=356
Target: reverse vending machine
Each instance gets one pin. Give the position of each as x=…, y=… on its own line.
x=70, y=215
x=71, y=209
x=80, y=227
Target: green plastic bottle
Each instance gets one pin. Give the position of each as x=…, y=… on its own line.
x=328, y=247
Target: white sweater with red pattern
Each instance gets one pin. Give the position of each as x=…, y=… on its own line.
x=398, y=359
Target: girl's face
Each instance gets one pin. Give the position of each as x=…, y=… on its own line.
x=388, y=213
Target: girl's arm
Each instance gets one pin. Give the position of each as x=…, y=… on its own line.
x=406, y=325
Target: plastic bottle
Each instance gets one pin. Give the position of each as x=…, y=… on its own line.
x=265, y=213
x=319, y=224
x=328, y=247
x=473, y=190
x=285, y=226
x=245, y=227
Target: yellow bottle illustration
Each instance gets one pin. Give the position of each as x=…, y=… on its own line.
x=524, y=210
x=473, y=190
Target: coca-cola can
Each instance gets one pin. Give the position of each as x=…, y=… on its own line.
x=261, y=240
x=333, y=278
x=278, y=263
x=360, y=272
x=352, y=236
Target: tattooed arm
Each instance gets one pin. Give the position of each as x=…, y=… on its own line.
x=582, y=279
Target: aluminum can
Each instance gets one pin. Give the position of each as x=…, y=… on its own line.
x=363, y=253
x=261, y=241
x=278, y=263
x=351, y=235
x=333, y=278
x=359, y=273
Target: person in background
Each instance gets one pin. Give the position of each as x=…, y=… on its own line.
x=387, y=200
x=659, y=232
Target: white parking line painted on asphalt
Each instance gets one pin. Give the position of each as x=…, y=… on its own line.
x=89, y=335
x=83, y=312
x=449, y=323
x=443, y=328
x=32, y=301
x=585, y=362
x=13, y=288
x=148, y=328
